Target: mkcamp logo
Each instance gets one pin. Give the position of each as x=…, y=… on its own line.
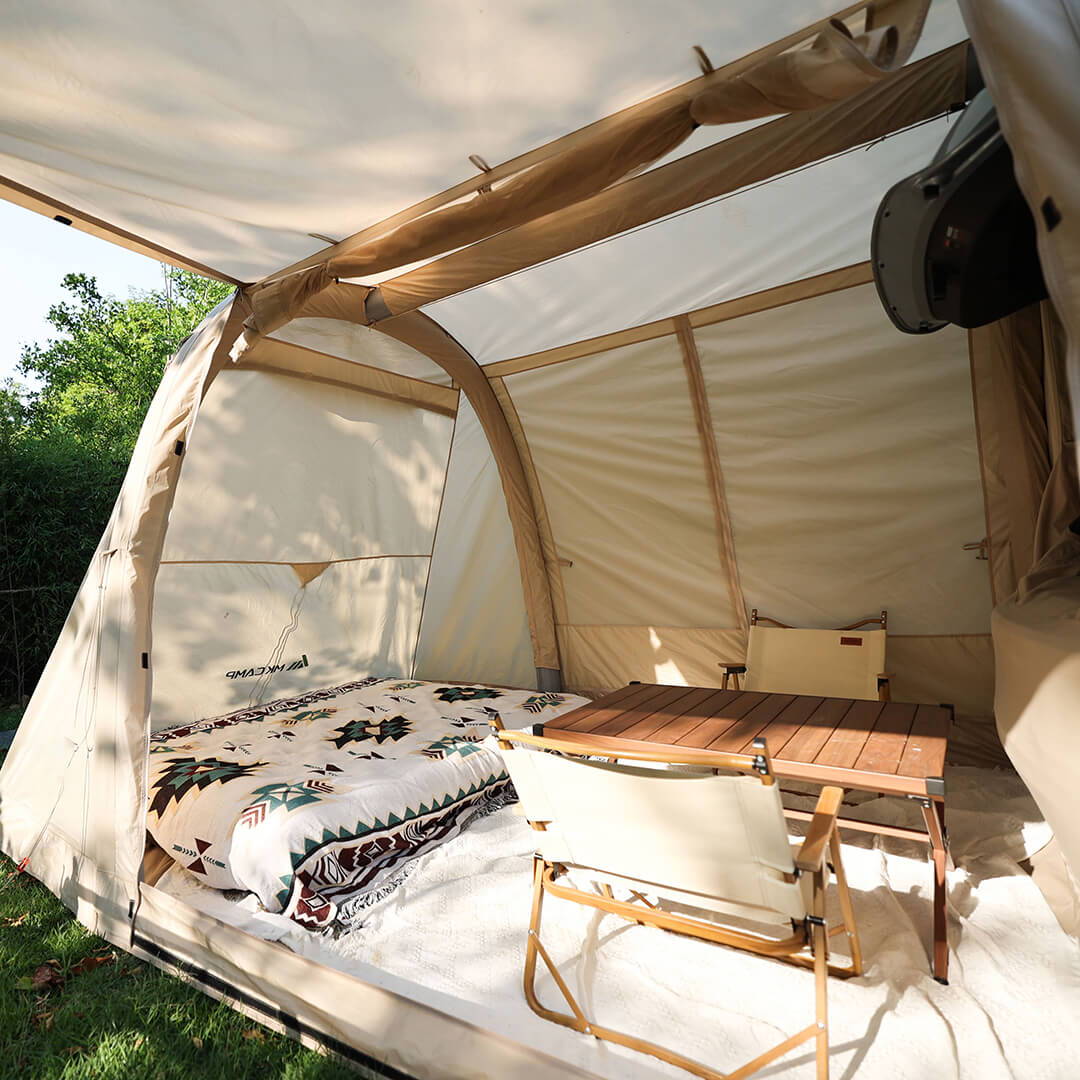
x=266, y=669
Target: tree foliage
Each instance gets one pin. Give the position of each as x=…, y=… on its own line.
x=65, y=445
x=99, y=374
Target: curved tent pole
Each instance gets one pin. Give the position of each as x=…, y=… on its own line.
x=419, y=331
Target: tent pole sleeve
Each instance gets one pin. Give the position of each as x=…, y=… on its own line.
x=543, y=519
x=347, y=302
x=571, y=141
x=916, y=92
x=428, y=337
x=703, y=419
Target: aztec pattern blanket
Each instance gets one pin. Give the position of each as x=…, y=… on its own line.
x=313, y=802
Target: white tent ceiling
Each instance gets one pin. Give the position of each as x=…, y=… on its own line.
x=229, y=133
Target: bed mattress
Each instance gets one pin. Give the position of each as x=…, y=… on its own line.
x=314, y=803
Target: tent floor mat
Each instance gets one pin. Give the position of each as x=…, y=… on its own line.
x=1014, y=973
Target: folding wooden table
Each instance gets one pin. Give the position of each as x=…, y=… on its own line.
x=884, y=747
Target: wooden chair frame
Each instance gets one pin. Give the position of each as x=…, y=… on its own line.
x=734, y=671
x=807, y=946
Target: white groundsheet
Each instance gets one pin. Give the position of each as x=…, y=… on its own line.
x=453, y=934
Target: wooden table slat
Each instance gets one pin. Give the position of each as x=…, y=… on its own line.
x=727, y=715
x=738, y=737
x=790, y=722
x=847, y=741
x=677, y=731
x=606, y=707
x=889, y=748
x=616, y=725
x=886, y=743
x=924, y=754
x=670, y=714
x=806, y=743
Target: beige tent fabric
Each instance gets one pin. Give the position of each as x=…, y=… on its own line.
x=1059, y=421
x=421, y=1032
x=1037, y=653
x=798, y=80
x=850, y=464
x=832, y=281
x=629, y=142
x=284, y=470
x=296, y=361
x=918, y=91
x=1029, y=55
x=346, y=302
x=426, y=336
x=836, y=65
x=625, y=484
x=362, y=345
x=801, y=79
x=1024, y=427
x=703, y=419
x=602, y=658
x=474, y=622
x=276, y=302
x=638, y=138
x=1060, y=507
x=900, y=13
x=76, y=774
x=957, y=669
x=21, y=195
x=1008, y=359
x=995, y=500
x=233, y=635
x=552, y=560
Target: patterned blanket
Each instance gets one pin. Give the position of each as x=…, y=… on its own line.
x=313, y=802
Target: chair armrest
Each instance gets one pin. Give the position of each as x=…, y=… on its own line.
x=732, y=668
x=812, y=852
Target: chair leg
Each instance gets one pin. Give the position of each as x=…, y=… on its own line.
x=821, y=974
x=579, y=1022
x=534, y=946
x=845, y=904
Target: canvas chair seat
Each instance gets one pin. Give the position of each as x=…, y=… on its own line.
x=704, y=854
x=848, y=662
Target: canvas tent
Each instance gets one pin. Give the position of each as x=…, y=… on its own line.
x=558, y=422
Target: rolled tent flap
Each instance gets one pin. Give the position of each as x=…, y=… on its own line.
x=921, y=90
x=638, y=139
x=835, y=66
x=275, y=304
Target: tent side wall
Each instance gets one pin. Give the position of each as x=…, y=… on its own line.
x=848, y=469
x=74, y=780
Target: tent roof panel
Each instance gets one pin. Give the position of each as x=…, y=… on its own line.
x=230, y=134
x=714, y=252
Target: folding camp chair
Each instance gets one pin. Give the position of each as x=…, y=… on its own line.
x=848, y=662
x=700, y=853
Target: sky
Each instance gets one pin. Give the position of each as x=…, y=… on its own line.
x=35, y=254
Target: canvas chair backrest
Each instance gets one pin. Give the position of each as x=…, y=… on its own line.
x=828, y=663
x=717, y=842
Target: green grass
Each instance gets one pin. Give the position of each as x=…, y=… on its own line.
x=122, y=1018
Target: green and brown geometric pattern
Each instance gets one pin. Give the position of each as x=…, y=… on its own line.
x=394, y=727
x=181, y=775
x=466, y=693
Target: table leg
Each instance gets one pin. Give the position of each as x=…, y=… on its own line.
x=934, y=816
